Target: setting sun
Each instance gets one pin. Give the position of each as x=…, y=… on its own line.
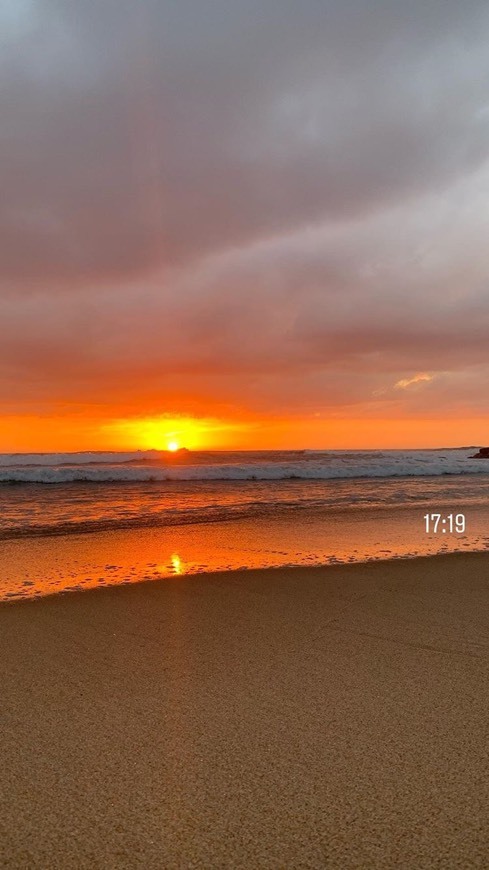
x=172, y=432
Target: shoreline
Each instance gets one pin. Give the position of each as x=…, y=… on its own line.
x=271, y=572
x=304, y=717
x=37, y=566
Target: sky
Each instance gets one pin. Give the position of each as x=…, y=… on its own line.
x=252, y=224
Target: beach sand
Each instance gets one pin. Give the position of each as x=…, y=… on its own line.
x=305, y=718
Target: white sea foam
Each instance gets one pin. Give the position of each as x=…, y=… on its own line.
x=73, y=459
x=312, y=465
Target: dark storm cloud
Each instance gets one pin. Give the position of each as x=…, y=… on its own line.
x=243, y=191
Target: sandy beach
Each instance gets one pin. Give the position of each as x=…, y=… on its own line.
x=313, y=717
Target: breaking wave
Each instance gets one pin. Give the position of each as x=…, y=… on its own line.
x=147, y=466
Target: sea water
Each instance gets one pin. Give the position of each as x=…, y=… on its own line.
x=85, y=519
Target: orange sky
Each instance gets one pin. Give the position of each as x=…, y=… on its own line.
x=38, y=434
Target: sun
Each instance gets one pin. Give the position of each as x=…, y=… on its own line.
x=169, y=434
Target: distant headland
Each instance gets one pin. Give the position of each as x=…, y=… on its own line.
x=482, y=454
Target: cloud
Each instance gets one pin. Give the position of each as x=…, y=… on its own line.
x=145, y=134
x=262, y=205
x=420, y=378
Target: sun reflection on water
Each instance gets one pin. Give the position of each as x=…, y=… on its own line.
x=177, y=564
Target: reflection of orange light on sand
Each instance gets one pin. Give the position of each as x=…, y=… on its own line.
x=177, y=564
x=173, y=446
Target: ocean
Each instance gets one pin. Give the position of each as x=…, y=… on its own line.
x=65, y=517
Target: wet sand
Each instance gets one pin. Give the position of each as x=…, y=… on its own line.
x=47, y=564
x=293, y=718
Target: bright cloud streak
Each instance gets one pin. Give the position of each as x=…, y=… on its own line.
x=420, y=378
